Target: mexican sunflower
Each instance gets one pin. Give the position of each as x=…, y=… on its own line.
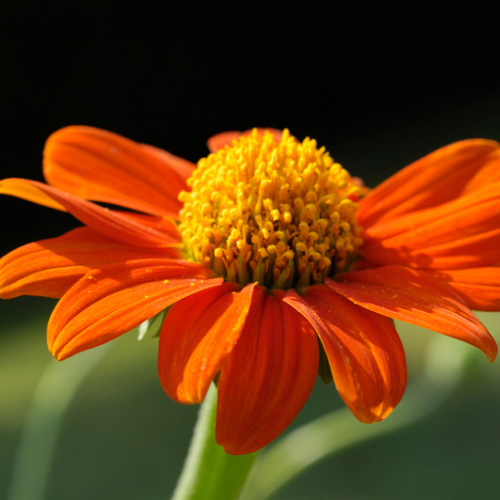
x=272, y=263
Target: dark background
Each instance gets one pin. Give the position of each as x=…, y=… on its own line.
x=380, y=87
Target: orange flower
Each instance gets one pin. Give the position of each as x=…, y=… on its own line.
x=264, y=247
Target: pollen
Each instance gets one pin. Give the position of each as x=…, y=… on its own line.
x=282, y=214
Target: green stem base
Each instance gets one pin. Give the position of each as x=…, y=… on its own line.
x=209, y=472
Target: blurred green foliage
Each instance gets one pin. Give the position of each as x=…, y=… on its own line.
x=124, y=438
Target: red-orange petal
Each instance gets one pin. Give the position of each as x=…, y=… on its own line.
x=434, y=179
x=113, y=300
x=198, y=334
x=223, y=139
x=165, y=225
x=363, y=349
x=479, y=250
x=30, y=191
x=457, y=234
x=479, y=288
x=102, y=166
x=109, y=222
x=416, y=297
x=268, y=376
x=50, y=267
x=488, y=174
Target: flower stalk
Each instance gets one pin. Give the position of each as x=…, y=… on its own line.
x=210, y=473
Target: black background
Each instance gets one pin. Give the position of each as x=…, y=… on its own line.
x=378, y=86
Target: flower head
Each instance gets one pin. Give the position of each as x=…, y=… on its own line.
x=276, y=213
x=264, y=247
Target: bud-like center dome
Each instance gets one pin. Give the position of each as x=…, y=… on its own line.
x=279, y=213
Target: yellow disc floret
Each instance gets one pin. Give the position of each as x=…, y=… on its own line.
x=279, y=213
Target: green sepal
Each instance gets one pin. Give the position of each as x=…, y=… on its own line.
x=269, y=274
x=324, y=370
x=258, y=273
x=218, y=266
x=281, y=282
x=304, y=279
x=151, y=326
x=232, y=272
x=243, y=273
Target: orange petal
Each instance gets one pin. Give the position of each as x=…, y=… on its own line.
x=30, y=191
x=418, y=298
x=437, y=178
x=50, y=267
x=165, y=225
x=479, y=288
x=183, y=168
x=223, y=139
x=268, y=376
x=109, y=222
x=473, y=251
x=488, y=174
x=115, y=299
x=98, y=165
x=197, y=335
x=363, y=348
x=466, y=230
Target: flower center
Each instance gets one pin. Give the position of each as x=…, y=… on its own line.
x=279, y=213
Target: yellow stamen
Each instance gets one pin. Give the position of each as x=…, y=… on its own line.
x=280, y=213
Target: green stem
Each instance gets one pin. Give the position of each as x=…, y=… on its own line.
x=209, y=473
